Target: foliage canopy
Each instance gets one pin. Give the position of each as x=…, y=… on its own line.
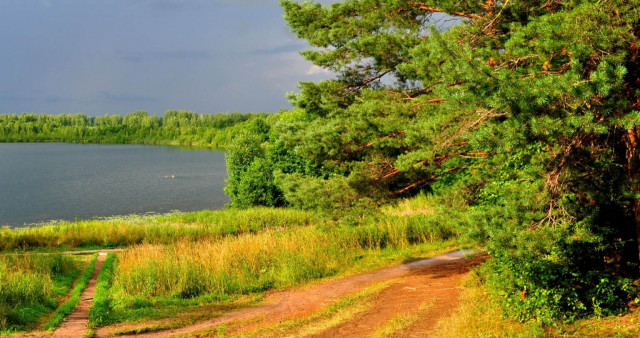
x=522, y=116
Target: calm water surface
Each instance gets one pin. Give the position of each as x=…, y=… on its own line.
x=50, y=181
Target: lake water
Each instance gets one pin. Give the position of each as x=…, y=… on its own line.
x=50, y=181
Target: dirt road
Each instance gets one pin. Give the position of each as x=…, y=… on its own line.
x=425, y=290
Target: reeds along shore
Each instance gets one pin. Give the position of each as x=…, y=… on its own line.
x=160, y=229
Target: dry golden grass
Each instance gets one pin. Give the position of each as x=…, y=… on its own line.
x=479, y=316
x=615, y=326
x=395, y=325
x=248, y=263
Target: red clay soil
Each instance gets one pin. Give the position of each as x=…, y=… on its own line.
x=433, y=281
x=430, y=294
x=76, y=324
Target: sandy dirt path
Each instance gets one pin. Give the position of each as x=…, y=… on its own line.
x=432, y=280
x=77, y=323
x=427, y=295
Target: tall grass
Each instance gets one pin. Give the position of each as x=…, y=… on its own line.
x=265, y=260
x=158, y=229
x=249, y=263
x=30, y=286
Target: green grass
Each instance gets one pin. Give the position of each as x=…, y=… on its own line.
x=150, y=276
x=395, y=325
x=258, y=262
x=198, y=308
x=226, y=259
x=31, y=287
x=63, y=311
x=220, y=260
x=99, y=315
x=159, y=229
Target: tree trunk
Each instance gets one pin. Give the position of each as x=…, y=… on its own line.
x=633, y=166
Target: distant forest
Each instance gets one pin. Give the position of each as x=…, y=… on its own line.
x=175, y=127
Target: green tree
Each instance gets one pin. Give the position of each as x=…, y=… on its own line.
x=527, y=113
x=251, y=178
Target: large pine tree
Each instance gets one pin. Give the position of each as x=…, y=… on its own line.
x=526, y=113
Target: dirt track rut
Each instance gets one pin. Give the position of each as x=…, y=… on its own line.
x=433, y=280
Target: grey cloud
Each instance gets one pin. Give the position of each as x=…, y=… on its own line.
x=127, y=97
x=178, y=55
x=15, y=98
x=288, y=48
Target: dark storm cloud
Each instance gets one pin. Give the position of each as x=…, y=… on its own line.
x=118, y=56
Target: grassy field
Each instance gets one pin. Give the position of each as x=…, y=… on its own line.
x=67, y=308
x=32, y=286
x=215, y=261
x=182, y=262
x=158, y=229
x=191, y=273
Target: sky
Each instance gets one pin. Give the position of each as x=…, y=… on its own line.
x=120, y=56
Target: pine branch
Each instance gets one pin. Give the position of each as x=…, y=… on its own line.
x=421, y=182
x=438, y=161
x=366, y=82
x=425, y=7
x=370, y=144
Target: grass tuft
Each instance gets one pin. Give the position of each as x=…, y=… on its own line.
x=31, y=286
x=99, y=315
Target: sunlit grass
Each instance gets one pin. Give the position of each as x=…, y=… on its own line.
x=256, y=262
x=479, y=316
x=31, y=287
x=135, y=229
x=395, y=325
x=248, y=263
x=182, y=262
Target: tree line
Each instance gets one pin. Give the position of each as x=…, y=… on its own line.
x=175, y=127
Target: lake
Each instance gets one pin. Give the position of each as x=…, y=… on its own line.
x=51, y=181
